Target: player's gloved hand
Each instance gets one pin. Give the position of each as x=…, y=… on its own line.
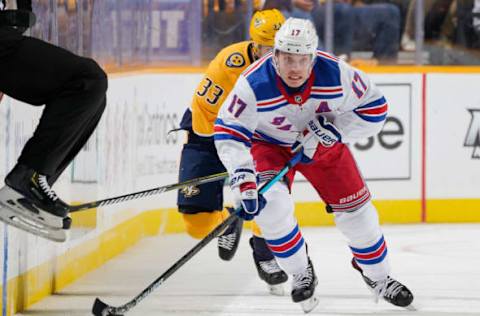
x=249, y=216
x=325, y=132
x=306, y=146
x=244, y=186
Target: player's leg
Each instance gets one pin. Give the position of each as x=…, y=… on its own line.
x=202, y=206
x=73, y=90
x=266, y=264
x=280, y=228
x=335, y=176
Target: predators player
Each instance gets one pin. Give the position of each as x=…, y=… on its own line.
x=202, y=207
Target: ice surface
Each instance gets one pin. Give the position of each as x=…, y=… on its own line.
x=439, y=263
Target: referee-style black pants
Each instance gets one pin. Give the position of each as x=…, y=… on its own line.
x=72, y=88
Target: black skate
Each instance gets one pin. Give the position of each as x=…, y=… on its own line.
x=268, y=269
x=390, y=290
x=303, y=288
x=229, y=240
x=27, y=202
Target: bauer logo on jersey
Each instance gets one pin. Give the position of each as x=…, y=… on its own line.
x=190, y=191
x=235, y=60
x=473, y=134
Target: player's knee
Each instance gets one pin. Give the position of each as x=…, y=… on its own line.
x=201, y=224
x=95, y=79
x=360, y=226
x=278, y=212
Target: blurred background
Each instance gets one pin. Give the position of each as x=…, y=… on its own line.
x=123, y=33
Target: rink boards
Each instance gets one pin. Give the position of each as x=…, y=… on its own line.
x=423, y=167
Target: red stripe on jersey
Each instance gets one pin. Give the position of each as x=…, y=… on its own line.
x=327, y=89
x=220, y=129
x=259, y=62
x=380, y=110
x=276, y=100
x=327, y=55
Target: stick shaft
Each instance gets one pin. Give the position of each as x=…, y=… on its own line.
x=145, y=193
x=214, y=233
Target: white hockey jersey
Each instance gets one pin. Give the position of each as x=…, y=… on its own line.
x=260, y=108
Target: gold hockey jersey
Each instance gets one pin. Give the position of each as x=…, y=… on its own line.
x=218, y=81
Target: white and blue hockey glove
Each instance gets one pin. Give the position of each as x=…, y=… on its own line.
x=244, y=186
x=325, y=132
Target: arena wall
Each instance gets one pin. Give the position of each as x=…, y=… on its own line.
x=424, y=167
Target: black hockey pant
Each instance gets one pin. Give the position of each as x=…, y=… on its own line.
x=72, y=88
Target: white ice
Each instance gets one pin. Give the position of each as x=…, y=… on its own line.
x=439, y=263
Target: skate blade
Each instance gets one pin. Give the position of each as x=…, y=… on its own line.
x=309, y=304
x=11, y=217
x=277, y=289
x=10, y=198
x=411, y=308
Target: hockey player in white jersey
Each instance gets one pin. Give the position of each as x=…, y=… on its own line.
x=296, y=97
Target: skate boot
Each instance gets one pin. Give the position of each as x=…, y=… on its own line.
x=303, y=288
x=267, y=267
x=229, y=240
x=28, y=202
x=389, y=289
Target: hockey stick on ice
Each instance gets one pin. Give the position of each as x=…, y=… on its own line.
x=141, y=194
x=102, y=309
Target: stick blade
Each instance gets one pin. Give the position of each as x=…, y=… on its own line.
x=101, y=309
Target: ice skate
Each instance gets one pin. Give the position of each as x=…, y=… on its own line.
x=389, y=289
x=229, y=240
x=28, y=203
x=268, y=269
x=303, y=288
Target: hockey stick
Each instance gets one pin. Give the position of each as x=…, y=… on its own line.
x=102, y=309
x=158, y=190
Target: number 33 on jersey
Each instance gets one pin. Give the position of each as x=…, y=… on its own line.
x=219, y=79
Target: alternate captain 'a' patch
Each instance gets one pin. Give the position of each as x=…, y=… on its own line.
x=235, y=60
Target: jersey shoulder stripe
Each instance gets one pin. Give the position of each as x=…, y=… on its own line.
x=375, y=111
x=328, y=56
x=256, y=65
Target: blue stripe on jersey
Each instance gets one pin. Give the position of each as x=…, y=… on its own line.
x=271, y=108
x=221, y=137
x=370, y=118
x=238, y=128
x=271, y=139
x=373, y=104
x=373, y=119
x=326, y=96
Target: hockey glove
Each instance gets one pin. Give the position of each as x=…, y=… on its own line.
x=244, y=186
x=249, y=216
x=326, y=133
